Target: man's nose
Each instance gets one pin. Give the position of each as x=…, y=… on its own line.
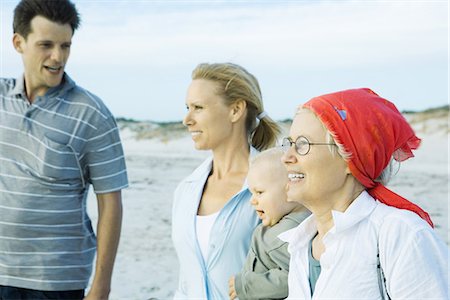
x=56, y=54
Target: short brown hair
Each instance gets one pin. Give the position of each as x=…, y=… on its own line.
x=59, y=11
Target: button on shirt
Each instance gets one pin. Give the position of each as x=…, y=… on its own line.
x=229, y=242
x=414, y=259
x=50, y=152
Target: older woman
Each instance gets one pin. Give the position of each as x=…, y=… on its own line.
x=362, y=240
x=212, y=219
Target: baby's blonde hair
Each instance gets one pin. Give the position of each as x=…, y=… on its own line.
x=272, y=156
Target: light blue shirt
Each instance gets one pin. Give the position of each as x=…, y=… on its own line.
x=229, y=241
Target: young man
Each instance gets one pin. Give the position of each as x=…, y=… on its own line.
x=55, y=139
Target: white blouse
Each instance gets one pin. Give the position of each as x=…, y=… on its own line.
x=414, y=259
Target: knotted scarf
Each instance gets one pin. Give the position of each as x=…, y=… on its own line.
x=373, y=131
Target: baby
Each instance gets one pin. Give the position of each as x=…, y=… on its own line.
x=265, y=273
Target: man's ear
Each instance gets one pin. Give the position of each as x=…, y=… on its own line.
x=18, y=42
x=238, y=109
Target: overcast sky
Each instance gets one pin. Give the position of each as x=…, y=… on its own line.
x=138, y=55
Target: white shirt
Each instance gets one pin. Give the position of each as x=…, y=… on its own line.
x=414, y=259
x=203, y=226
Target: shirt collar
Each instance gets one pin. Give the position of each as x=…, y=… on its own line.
x=201, y=170
x=299, y=236
x=19, y=87
x=358, y=210
x=66, y=84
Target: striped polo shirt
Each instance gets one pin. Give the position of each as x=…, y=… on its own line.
x=50, y=152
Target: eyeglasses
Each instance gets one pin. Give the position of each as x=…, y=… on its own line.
x=302, y=144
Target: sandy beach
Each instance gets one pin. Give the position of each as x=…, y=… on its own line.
x=158, y=158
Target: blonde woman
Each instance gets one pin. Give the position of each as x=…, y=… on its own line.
x=212, y=219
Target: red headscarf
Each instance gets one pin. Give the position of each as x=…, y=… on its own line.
x=372, y=130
